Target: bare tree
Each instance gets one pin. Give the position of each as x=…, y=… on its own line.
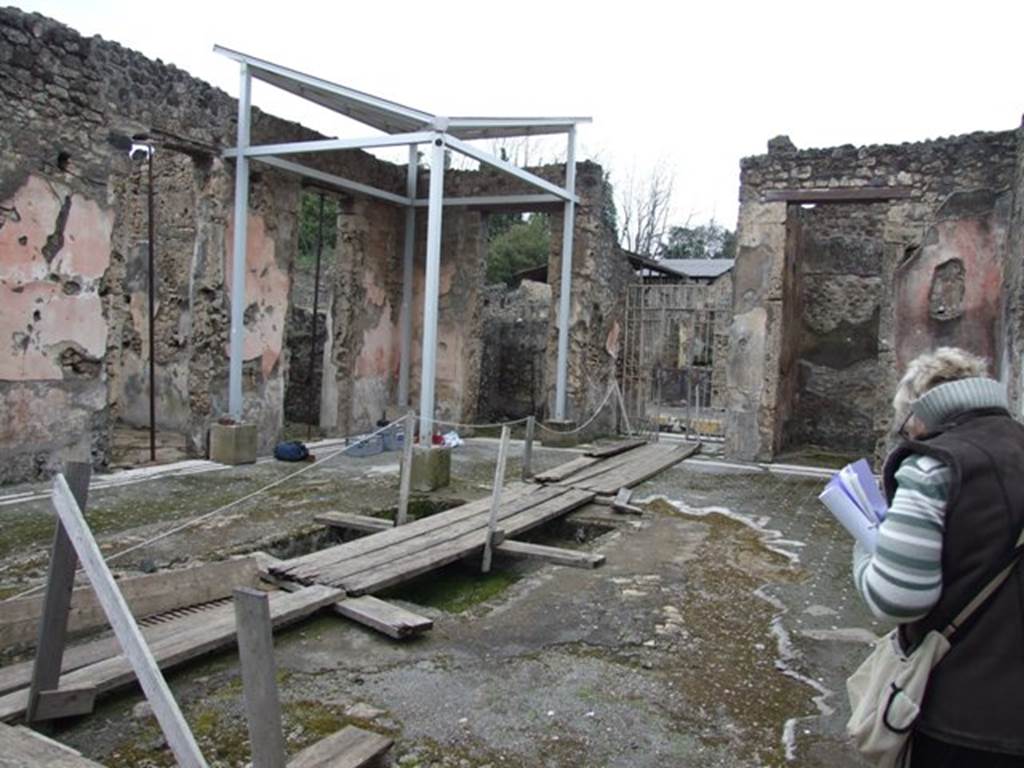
x=644, y=203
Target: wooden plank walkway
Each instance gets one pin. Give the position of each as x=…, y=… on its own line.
x=395, y=555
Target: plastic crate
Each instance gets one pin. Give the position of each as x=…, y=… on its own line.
x=367, y=446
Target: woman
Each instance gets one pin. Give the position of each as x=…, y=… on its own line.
x=955, y=486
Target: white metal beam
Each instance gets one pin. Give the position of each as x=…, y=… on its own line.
x=331, y=180
x=237, y=337
x=330, y=145
x=565, y=287
x=498, y=200
x=303, y=81
x=513, y=170
x=502, y=127
x=431, y=289
x=405, y=362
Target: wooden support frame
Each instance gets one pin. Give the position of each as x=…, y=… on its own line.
x=259, y=678
x=499, y=481
x=531, y=425
x=405, y=483
x=836, y=195
x=165, y=708
x=53, y=626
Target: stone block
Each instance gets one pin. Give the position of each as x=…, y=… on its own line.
x=559, y=434
x=431, y=468
x=233, y=443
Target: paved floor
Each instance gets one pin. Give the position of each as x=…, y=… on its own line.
x=718, y=633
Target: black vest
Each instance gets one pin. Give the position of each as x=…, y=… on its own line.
x=975, y=696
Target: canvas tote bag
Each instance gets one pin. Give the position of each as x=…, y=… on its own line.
x=887, y=689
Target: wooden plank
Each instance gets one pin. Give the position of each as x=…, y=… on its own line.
x=345, y=568
x=621, y=503
x=630, y=475
x=23, y=748
x=405, y=482
x=183, y=642
x=16, y=676
x=393, y=621
x=350, y=522
x=470, y=543
x=614, y=464
x=307, y=566
x=607, y=451
x=555, y=555
x=562, y=471
x=60, y=581
x=259, y=677
x=836, y=195
x=531, y=426
x=350, y=747
x=146, y=595
x=66, y=702
x=371, y=551
x=499, y=482
x=165, y=708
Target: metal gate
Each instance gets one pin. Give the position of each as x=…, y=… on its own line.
x=674, y=353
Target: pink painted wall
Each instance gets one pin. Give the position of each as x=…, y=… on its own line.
x=266, y=294
x=47, y=307
x=978, y=243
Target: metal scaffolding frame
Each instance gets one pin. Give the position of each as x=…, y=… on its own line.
x=402, y=126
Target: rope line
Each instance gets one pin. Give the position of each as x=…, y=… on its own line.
x=587, y=423
x=223, y=508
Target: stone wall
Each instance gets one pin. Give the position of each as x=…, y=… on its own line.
x=513, y=365
x=942, y=251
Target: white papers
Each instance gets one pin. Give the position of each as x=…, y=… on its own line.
x=852, y=495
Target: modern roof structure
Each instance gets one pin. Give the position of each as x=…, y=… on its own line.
x=700, y=269
x=401, y=126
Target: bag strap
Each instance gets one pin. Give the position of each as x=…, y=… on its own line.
x=986, y=592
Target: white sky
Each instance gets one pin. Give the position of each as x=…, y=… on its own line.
x=695, y=86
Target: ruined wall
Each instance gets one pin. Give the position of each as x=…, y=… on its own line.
x=597, y=315
x=957, y=209
x=1014, y=305
x=513, y=366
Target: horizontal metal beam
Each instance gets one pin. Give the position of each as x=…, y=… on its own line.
x=329, y=145
x=836, y=195
x=513, y=170
x=497, y=200
x=335, y=181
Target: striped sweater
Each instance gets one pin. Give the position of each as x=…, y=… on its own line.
x=902, y=581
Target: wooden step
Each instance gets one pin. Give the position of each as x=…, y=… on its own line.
x=350, y=747
x=555, y=555
x=350, y=522
x=393, y=621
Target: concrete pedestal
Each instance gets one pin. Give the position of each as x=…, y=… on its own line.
x=233, y=443
x=558, y=434
x=431, y=468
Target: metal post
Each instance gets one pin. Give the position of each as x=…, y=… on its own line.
x=259, y=677
x=238, y=249
x=406, y=480
x=565, y=290
x=431, y=289
x=528, y=448
x=407, y=278
x=152, y=308
x=316, y=309
x=499, y=481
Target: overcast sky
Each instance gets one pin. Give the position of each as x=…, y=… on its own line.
x=695, y=86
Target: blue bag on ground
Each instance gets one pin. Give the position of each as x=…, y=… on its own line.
x=291, y=450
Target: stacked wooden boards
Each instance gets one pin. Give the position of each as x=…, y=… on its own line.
x=395, y=555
